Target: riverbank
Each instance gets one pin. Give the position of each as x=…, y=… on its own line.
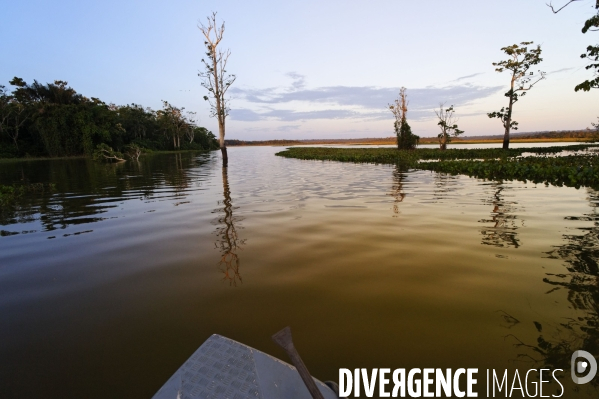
x=146, y=153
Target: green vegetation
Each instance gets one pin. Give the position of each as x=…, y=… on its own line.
x=592, y=54
x=406, y=140
x=53, y=120
x=490, y=163
x=573, y=170
x=592, y=51
x=520, y=60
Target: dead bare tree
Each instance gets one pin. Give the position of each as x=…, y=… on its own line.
x=191, y=125
x=133, y=151
x=19, y=116
x=105, y=153
x=448, y=124
x=406, y=140
x=215, y=77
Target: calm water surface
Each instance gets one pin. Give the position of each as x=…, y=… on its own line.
x=110, y=282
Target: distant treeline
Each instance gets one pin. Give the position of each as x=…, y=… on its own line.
x=562, y=134
x=233, y=143
x=53, y=120
x=587, y=134
x=573, y=134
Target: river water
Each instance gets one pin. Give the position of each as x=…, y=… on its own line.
x=111, y=281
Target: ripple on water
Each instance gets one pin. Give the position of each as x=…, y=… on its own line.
x=131, y=266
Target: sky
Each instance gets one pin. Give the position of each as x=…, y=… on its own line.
x=310, y=69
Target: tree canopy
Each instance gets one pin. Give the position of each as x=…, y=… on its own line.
x=520, y=60
x=54, y=120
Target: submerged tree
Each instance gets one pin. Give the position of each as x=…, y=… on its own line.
x=215, y=77
x=521, y=59
x=406, y=140
x=449, y=128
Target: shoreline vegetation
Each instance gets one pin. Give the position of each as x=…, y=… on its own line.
x=579, y=165
x=54, y=121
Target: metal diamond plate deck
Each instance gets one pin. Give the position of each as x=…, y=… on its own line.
x=223, y=368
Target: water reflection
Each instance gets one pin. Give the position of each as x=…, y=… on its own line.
x=580, y=252
x=503, y=232
x=446, y=186
x=89, y=192
x=228, y=241
x=397, y=188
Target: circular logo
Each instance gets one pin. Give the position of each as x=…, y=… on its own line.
x=583, y=362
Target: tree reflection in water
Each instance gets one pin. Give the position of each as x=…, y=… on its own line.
x=86, y=192
x=580, y=253
x=503, y=233
x=397, y=188
x=446, y=187
x=228, y=241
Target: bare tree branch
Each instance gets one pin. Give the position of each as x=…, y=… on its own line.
x=215, y=78
x=562, y=7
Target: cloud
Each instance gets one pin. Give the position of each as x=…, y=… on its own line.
x=241, y=114
x=468, y=76
x=288, y=128
x=286, y=115
x=561, y=70
x=299, y=81
x=347, y=102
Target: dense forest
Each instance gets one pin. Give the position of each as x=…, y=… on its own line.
x=53, y=120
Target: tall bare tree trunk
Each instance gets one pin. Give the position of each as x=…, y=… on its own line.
x=220, y=112
x=506, y=138
x=443, y=145
x=223, y=147
x=221, y=140
x=508, y=118
x=215, y=79
x=223, y=151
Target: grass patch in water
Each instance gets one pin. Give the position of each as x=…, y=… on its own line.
x=488, y=163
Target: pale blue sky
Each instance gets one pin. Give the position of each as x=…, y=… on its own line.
x=310, y=69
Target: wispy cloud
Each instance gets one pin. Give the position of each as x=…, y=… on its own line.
x=347, y=102
x=299, y=81
x=468, y=76
x=562, y=70
x=286, y=115
x=288, y=128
